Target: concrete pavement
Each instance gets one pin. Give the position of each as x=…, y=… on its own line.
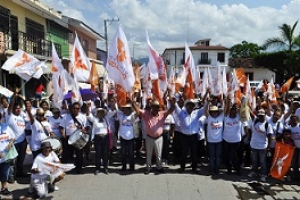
x=169, y=185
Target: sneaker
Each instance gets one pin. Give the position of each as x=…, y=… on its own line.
x=96, y=172
x=147, y=171
x=252, y=174
x=106, y=171
x=263, y=178
x=5, y=191
x=56, y=188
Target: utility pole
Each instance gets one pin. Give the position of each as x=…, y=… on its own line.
x=105, y=31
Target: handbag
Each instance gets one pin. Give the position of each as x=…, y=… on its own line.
x=11, y=154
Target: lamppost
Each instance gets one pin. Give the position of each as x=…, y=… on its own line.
x=134, y=44
x=105, y=31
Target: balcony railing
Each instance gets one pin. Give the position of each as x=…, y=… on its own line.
x=204, y=62
x=38, y=46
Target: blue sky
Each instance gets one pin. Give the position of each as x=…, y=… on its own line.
x=171, y=23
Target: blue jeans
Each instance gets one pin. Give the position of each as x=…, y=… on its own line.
x=259, y=155
x=127, y=146
x=214, y=152
x=101, y=144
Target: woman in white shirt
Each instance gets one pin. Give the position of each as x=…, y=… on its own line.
x=100, y=136
x=126, y=132
x=215, y=121
x=232, y=136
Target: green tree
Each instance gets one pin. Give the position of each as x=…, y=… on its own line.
x=245, y=50
x=288, y=40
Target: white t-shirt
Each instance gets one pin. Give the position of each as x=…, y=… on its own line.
x=38, y=134
x=232, y=129
x=48, y=114
x=52, y=157
x=69, y=125
x=259, y=139
x=100, y=127
x=17, y=124
x=126, y=125
x=6, y=135
x=277, y=129
x=168, y=122
x=55, y=125
x=295, y=134
x=26, y=117
x=214, y=128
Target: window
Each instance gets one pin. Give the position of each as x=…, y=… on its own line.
x=250, y=75
x=204, y=56
x=221, y=57
x=4, y=19
x=34, y=30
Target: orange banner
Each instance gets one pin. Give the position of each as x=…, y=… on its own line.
x=189, y=86
x=121, y=95
x=156, y=92
x=283, y=156
x=137, y=75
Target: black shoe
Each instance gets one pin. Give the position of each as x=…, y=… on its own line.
x=180, y=170
x=123, y=171
x=106, y=171
x=5, y=192
x=79, y=171
x=131, y=171
x=147, y=171
x=96, y=172
x=11, y=180
x=196, y=171
x=161, y=170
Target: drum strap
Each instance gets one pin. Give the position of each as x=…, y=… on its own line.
x=78, y=125
x=45, y=130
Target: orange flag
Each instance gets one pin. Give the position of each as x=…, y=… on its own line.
x=188, y=90
x=121, y=95
x=240, y=74
x=137, y=75
x=94, y=77
x=286, y=86
x=156, y=92
x=283, y=156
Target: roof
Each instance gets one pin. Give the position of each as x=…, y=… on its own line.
x=84, y=28
x=205, y=48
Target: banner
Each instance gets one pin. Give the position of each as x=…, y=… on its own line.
x=282, y=160
x=6, y=92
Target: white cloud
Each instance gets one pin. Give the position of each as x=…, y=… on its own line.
x=174, y=22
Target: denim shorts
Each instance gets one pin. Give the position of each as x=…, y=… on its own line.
x=4, y=171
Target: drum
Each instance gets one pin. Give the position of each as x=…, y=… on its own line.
x=56, y=145
x=78, y=139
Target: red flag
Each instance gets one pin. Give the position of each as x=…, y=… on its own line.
x=283, y=156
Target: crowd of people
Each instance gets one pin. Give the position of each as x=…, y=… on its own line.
x=209, y=129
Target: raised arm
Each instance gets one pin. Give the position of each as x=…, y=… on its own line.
x=172, y=107
x=135, y=107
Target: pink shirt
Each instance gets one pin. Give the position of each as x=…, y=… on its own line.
x=154, y=125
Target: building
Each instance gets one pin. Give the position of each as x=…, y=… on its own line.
x=32, y=26
x=204, y=54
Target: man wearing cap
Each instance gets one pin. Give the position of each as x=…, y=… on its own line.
x=154, y=125
x=189, y=119
x=261, y=133
x=40, y=178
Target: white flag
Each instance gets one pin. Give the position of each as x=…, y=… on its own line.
x=6, y=92
x=80, y=61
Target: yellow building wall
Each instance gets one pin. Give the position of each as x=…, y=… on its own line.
x=22, y=14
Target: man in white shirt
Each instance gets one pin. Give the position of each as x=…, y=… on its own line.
x=261, y=132
x=70, y=124
x=40, y=177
